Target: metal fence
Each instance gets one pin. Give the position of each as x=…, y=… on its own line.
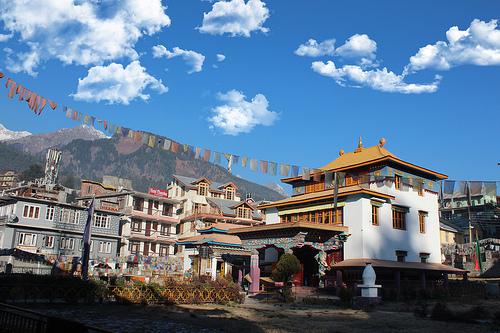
x=18, y=320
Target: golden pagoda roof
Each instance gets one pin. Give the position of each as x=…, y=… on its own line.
x=362, y=156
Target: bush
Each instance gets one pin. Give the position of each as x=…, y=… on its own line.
x=287, y=266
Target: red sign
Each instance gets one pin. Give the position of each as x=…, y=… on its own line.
x=158, y=192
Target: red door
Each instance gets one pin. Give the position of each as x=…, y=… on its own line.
x=298, y=278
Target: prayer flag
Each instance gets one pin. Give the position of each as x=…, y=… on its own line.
x=206, y=155
x=197, y=152
x=295, y=170
x=284, y=170
x=263, y=166
x=175, y=147
x=306, y=175
x=328, y=180
x=152, y=141
x=317, y=175
x=145, y=138
x=253, y=164
x=166, y=144
x=244, y=161
x=236, y=159
x=185, y=147
x=272, y=168
x=216, y=157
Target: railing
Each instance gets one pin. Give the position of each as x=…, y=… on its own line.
x=154, y=212
x=14, y=319
x=153, y=236
x=204, y=210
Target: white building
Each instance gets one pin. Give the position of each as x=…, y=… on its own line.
x=204, y=203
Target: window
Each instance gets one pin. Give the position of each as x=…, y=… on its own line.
x=101, y=220
x=138, y=204
x=69, y=216
x=315, y=186
x=135, y=247
x=136, y=225
x=167, y=209
x=67, y=243
x=351, y=180
x=49, y=242
x=398, y=218
x=421, y=221
x=31, y=212
x=164, y=250
x=401, y=256
x=374, y=215
x=27, y=239
x=49, y=214
x=244, y=212
x=339, y=216
x=230, y=193
x=165, y=230
x=397, y=182
x=203, y=189
x=104, y=247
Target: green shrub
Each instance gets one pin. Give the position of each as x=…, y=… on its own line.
x=287, y=266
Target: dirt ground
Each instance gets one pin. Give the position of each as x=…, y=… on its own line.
x=254, y=316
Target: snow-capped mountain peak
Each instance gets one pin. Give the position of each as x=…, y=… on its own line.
x=6, y=134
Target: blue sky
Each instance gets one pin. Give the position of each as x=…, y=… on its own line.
x=268, y=98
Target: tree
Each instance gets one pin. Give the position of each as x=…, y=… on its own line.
x=33, y=172
x=287, y=266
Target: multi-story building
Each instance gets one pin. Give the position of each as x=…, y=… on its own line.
x=35, y=223
x=205, y=203
x=388, y=208
x=148, y=229
x=152, y=227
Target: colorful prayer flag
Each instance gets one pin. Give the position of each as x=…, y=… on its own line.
x=272, y=168
x=244, y=161
x=295, y=170
x=206, y=155
x=216, y=157
x=306, y=175
x=253, y=165
x=263, y=166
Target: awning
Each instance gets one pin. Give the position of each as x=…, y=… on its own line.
x=389, y=264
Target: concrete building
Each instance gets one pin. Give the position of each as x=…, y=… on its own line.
x=205, y=203
x=386, y=206
x=54, y=228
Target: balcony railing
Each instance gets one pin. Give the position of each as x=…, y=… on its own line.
x=154, y=212
x=153, y=236
x=204, y=210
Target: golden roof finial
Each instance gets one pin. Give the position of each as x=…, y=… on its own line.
x=360, y=145
x=382, y=142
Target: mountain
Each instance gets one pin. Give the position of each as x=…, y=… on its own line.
x=13, y=159
x=89, y=154
x=7, y=135
x=37, y=143
x=147, y=167
x=277, y=188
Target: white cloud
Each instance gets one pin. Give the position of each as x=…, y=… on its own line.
x=312, y=48
x=238, y=115
x=377, y=79
x=4, y=37
x=194, y=59
x=84, y=32
x=221, y=57
x=477, y=45
x=236, y=18
x=358, y=46
x=115, y=84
